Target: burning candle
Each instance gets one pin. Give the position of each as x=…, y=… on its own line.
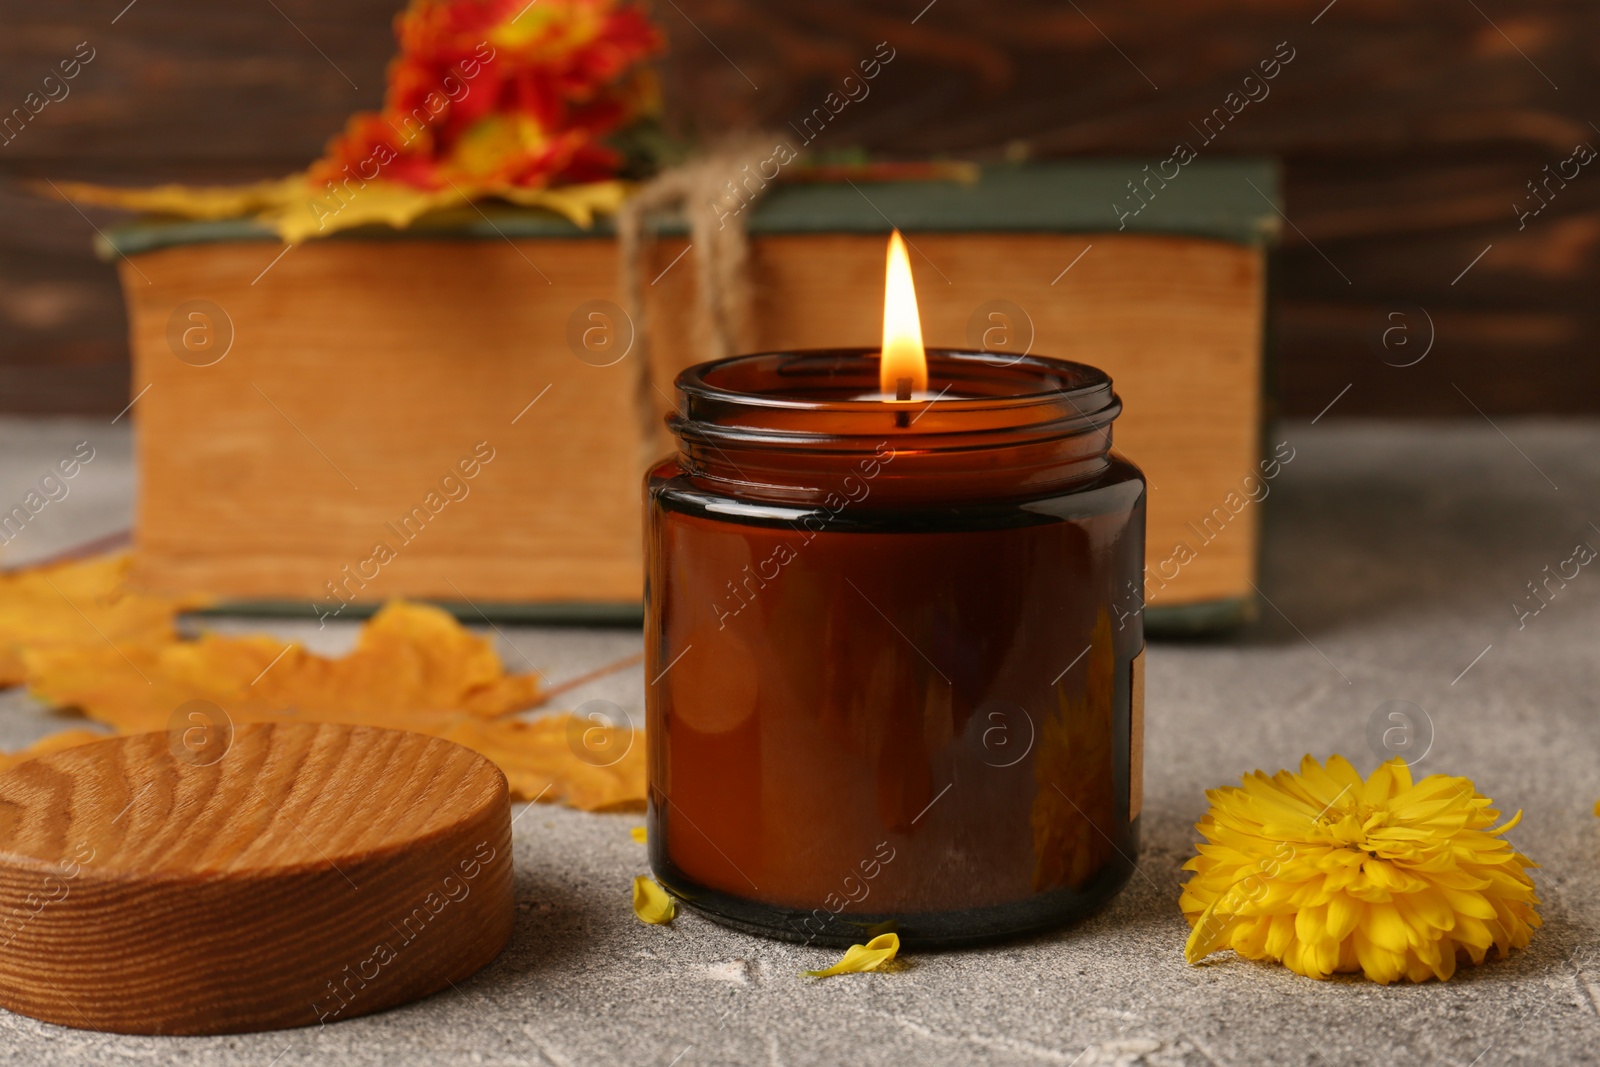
x=894, y=641
x=903, y=365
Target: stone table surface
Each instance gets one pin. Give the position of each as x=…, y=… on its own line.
x=1396, y=556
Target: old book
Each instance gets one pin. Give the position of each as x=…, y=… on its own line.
x=450, y=413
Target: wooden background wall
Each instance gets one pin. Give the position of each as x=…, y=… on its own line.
x=1408, y=133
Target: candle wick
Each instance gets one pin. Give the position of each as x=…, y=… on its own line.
x=902, y=391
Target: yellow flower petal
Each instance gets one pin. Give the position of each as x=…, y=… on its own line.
x=869, y=957
x=1210, y=933
x=651, y=903
x=1385, y=928
x=1344, y=915
x=639, y=834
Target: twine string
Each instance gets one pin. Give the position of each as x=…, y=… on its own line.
x=713, y=195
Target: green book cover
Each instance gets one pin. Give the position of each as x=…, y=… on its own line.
x=1231, y=200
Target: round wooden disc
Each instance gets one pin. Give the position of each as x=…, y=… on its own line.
x=309, y=873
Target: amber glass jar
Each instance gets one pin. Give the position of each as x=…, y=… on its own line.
x=894, y=649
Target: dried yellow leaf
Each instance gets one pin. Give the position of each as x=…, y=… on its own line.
x=545, y=758
x=869, y=957
x=79, y=603
x=410, y=660
x=295, y=206
x=651, y=903
x=414, y=667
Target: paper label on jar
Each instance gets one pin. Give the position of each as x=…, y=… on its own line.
x=1136, y=737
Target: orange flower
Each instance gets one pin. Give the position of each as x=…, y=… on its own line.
x=492, y=93
x=487, y=98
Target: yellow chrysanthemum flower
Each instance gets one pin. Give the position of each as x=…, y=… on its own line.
x=1330, y=874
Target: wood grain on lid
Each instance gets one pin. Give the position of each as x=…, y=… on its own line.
x=311, y=873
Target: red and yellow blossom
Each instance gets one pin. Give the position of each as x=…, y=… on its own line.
x=487, y=98
x=486, y=93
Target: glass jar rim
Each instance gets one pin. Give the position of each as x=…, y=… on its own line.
x=781, y=425
x=1086, y=382
x=828, y=399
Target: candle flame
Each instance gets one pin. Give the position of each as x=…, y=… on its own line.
x=903, y=370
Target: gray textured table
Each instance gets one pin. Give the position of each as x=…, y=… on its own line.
x=1394, y=554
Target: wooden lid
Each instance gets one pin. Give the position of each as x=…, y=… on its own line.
x=300, y=873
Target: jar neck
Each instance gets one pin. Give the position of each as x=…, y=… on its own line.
x=808, y=428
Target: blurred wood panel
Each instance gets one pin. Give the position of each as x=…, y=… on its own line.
x=1407, y=136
